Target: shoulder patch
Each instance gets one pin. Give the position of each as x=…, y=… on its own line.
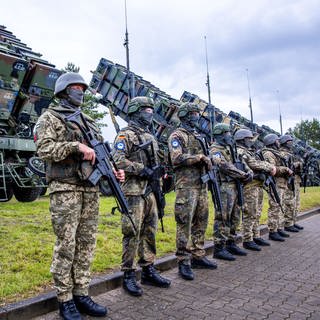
x=217, y=154
x=175, y=143
x=120, y=145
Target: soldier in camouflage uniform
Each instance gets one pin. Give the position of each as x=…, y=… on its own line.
x=74, y=202
x=227, y=221
x=286, y=142
x=129, y=156
x=244, y=141
x=271, y=153
x=191, y=206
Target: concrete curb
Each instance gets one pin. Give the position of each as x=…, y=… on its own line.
x=45, y=303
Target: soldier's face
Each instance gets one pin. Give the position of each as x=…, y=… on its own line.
x=147, y=110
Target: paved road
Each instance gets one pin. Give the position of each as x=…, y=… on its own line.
x=280, y=282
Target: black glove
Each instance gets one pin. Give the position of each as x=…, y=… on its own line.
x=248, y=178
x=146, y=173
x=260, y=177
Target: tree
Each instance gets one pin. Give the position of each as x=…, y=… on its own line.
x=308, y=131
x=91, y=103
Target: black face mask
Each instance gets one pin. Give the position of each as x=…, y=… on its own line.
x=225, y=139
x=146, y=117
x=75, y=96
x=248, y=142
x=193, y=120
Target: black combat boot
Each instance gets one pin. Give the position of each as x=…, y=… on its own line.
x=130, y=283
x=69, y=311
x=275, y=236
x=251, y=245
x=203, y=263
x=220, y=252
x=87, y=306
x=185, y=271
x=283, y=234
x=297, y=226
x=291, y=229
x=151, y=276
x=234, y=249
x=261, y=242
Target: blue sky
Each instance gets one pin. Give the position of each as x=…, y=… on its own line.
x=277, y=41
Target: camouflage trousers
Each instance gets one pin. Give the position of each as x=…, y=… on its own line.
x=74, y=216
x=275, y=215
x=143, y=242
x=297, y=199
x=227, y=221
x=256, y=223
x=191, y=215
x=250, y=195
x=289, y=207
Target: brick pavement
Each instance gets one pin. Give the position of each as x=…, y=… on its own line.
x=280, y=282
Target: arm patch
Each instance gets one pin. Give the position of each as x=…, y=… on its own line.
x=175, y=143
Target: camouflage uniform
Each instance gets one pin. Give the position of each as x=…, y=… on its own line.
x=289, y=198
x=251, y=193
x=74, y=204
x=259, y=206
x=141, y=200
x=191, y=205
x=275, y=215
x=227, y=221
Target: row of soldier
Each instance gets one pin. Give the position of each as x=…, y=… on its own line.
x=74, y=202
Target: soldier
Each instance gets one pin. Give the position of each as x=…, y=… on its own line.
x=191, y=205
x=286, y=143
x=244, y=141
x=271, y=153
x=132, y=159
x=227, y=221
x=74, y=202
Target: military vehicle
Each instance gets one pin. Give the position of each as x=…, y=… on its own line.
x=111, y=81
x=26, y=90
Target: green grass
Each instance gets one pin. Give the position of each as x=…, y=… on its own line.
x=26, y=241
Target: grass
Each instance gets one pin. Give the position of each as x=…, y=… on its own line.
x=26, y=241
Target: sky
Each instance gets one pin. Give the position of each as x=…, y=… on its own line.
x=277, y=41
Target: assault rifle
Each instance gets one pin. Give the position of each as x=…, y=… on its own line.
x=210, y=177
x=239, y=165
x=289, y=163
x=154, y=180
x=270, y=185
x=305, y=171
x=104, y=164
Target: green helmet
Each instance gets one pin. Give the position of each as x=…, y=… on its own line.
x=285, y=138
x=67, y=79
x=187, y=107
x=270, y=138
x=140, y=102
x=242, y=134
x=220, y=129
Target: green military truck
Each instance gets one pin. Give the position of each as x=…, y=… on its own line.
x=26, y=90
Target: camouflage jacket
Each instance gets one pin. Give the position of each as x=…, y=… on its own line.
x=185, y=153
x=227, y=171
x=129, y=157
x=257, y=166
x=57, y=144
x=275, y=157
x=297, y=162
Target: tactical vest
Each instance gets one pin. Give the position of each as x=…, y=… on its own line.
x=190, y=176
x=134, y=184
x=70, y=170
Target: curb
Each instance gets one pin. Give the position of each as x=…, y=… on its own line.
x=46, y=303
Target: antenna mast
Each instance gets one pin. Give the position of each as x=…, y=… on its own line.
x=250, y=102
x=280, y=116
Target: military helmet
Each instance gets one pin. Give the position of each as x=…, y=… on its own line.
x=220, y=128
x=140, y=102
x=242, y=134
x=270, y=138
x=67, y=79
x=285, y=138
x=187, y=107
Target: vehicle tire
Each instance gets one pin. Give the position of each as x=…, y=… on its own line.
x=43, y=191
x=37, y=166
x=6, y=197
x=26, y=194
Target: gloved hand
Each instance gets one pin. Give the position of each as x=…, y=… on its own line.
x=207, y=161
x=248, y=177
x=260, y=177
x=146, y=173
